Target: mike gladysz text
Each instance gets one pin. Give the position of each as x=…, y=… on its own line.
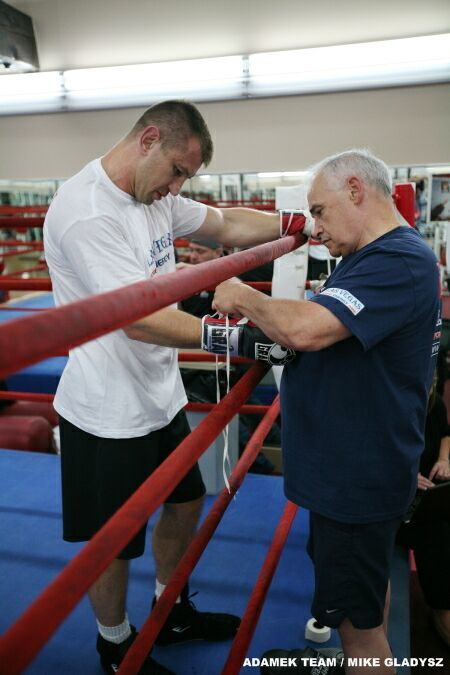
x=359, y=662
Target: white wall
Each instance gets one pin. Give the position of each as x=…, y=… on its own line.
x=404, y=126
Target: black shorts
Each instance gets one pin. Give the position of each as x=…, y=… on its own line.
x=100, y=474
x=352, y=569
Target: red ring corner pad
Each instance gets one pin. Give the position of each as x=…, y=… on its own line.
x=26, y=432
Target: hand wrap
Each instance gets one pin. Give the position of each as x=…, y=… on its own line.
x=244, y=340
x=293, y=221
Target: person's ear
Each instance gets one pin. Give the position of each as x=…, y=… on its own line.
x=149, y=136
x=355, y=189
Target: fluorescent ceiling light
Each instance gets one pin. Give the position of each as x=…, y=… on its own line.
x=438, y=169
x=416, y=60
x=31, y=93
x=419, y=60
x=199, y=79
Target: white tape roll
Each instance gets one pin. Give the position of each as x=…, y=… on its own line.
x=316, y=632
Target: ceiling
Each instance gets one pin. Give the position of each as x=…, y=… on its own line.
x=87, y=33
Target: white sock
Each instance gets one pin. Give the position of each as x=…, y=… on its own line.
x=159, y=589
x=116, y=634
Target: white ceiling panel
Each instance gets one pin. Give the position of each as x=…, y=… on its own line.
x=86, y=33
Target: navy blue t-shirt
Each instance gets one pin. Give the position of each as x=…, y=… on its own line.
x=354, y=413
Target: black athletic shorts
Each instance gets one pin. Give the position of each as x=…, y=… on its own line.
x=100, y=474
x=351, y=568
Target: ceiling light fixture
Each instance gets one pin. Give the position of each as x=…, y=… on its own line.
x=386, y=63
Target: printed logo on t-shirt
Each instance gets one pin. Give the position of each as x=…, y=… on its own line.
x=349, y=300
x=158, y=255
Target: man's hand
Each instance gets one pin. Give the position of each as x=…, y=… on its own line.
x=440, y=470
x=227, y=295
x=242, y=340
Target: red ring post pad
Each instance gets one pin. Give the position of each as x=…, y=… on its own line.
x=23, y=640
x=405, y=201
x=148, y=632
x=249, y=621
x=70, y=325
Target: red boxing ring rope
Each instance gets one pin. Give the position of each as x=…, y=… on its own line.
x=149, y=631
x=34, y=208
x=246, y=409
x=25, y=396
x=18, y=242
x=248, y=624
x=22, y=641
x=42, y=284
x=71, y=325
x=14, y=222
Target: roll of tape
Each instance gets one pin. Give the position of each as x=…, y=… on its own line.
x=315, y=632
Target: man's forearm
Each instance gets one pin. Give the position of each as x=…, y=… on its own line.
x=299, y=324
x=249, y=227
x=169, y=328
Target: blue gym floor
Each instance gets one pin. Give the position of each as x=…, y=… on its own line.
x=32, y=553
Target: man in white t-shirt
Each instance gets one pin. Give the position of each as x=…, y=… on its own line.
x=121, y=398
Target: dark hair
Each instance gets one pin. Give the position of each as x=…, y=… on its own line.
x=178, y=121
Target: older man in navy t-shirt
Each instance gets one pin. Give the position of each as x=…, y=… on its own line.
x=354, y=399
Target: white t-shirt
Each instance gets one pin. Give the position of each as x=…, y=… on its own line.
x=98, y=238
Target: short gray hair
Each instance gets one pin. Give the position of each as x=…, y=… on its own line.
x=356, y=162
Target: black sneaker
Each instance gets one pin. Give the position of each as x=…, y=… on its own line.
x=186, y=623
x=111, y=656
x=308, y=661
